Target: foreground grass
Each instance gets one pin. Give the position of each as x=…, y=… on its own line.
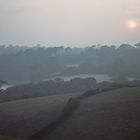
x=25, y=117
x=113, y=115
x=7, y=138
x=109, y=115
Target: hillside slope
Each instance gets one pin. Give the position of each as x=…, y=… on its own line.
x=6, y=138
x=23, y=118
x=113, y=115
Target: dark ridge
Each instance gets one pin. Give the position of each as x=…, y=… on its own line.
x=47, y=88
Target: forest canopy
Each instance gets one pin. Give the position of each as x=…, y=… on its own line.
x=30, y=64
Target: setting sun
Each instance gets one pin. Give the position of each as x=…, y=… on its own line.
x=132, y=24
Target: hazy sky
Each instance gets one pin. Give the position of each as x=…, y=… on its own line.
x=69, y=22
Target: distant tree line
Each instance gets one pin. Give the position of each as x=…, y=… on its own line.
x=22, y=64
x=51, y=87
x=2, y=82
x=59, y=87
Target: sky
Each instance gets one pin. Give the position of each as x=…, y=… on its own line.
x=75, y=23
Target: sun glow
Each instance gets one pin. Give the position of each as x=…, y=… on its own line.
x=132, y=24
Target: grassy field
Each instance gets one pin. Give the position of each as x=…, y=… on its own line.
x=7, y=138
x=23, y=118
x=113, y=115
